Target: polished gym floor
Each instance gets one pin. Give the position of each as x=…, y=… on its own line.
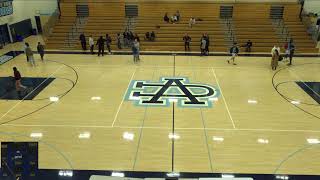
x=257, y=121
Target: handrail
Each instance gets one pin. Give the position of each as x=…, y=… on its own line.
x=47, y=28
x=311, y=27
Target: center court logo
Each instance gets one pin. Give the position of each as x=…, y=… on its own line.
x=171, y=89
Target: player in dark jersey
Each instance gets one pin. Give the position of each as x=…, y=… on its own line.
x=17, y=77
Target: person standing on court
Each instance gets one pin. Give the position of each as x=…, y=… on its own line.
x=187, y=40
x=24, y=49
x=119, y=40
x=234, y=50
x=40, y=49
x=136, y=51
x=83, y=42
x=291, y=48
x=275, y=57
x=206, y=37
x=29, y=54
x=100, y=44
x=91, y=44
x=17, y=77
x=248, y=46
x=108, y=43
x=203, y=44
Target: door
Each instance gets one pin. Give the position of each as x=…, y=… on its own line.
x=4, y=34
x=38, y=22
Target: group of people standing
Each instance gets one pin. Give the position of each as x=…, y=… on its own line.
x=276, y=54
x=30, y=59
x=204, y=43
x=29, y=53
x=127, y=39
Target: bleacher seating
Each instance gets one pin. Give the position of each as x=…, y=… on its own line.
x=169, y=36
x=251, y=21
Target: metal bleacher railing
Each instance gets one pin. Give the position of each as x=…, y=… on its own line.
x=48, y=27
x=311, y=26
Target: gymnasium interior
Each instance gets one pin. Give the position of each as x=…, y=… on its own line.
x=151, y=108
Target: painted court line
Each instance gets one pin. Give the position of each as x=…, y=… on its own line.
x=225, y=102
x=13, y=107
x=300, y=79
x=124, y=95
x=156, y=66
x=163, y=128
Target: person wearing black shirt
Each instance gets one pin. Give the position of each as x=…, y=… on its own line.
x=82, y=38
x=166, y=18
x=234, y=50
x=207, y=39
x=100, y=44
x=248, y=46
x=137, y=37
x=291, y=48
x=187, y=40
x=152, y=36
x=147, y=36
x=40, y=49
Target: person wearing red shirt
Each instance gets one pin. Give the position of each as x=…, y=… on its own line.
x=17, y=77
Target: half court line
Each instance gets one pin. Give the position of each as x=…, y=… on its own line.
x=225, y=102
x=123, y=97
x=18, y=103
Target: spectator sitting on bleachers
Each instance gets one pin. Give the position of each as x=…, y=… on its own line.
x=174, y=19
x=178, y=15
x=166, y=18
x=136, y=37
x=192, y=21
x=147, y=36
x=152, y=36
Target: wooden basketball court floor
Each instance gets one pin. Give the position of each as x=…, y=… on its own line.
x=251, y=128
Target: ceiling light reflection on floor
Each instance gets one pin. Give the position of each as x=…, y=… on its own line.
x=54, y=99
x=263, y=141
x=313, y=141
x=128, y=136
x=36, y=135
x=173, y=136
x=84, y=135
x=96, y=98
x=219, y=139
x=295, y=102
x=251, y=101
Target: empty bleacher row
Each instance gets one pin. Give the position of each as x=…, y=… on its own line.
x=250, y=21
x=106, y=16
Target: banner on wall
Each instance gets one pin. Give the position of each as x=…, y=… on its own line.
x=6, y=7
